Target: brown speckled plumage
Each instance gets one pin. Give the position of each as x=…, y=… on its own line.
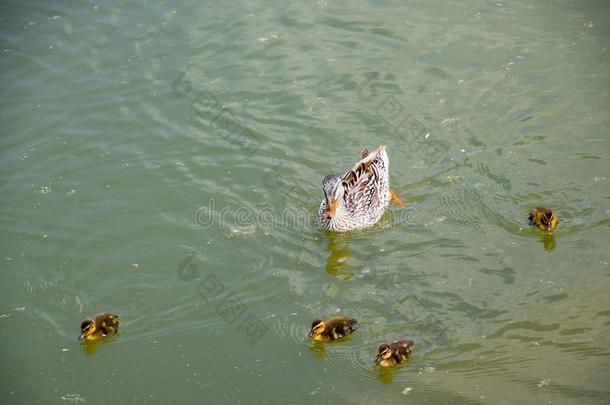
x=361, y=195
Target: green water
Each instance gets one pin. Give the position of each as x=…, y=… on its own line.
x=163, y=161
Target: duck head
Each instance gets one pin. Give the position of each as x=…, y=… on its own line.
x=544, y=219
x=384, y=354
x=549, y=219
x=87, y=329
x=332, y=186
x=317, y=328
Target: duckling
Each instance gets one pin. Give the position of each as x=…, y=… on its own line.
x=395, y=353
x=332, y=329
x=544, y=219
x=103, y=324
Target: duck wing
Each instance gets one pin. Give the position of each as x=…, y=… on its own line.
x=360, y=183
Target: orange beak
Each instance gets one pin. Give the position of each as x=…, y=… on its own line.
x=328, y=214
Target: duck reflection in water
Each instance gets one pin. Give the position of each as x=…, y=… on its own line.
x=90, y=346
x=318, y=349
x=385, y=374
x=339, y=252
x=548, y=241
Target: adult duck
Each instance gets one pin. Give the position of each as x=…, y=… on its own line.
x=359, y=198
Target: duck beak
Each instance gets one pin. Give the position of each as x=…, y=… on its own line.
x=328, y=214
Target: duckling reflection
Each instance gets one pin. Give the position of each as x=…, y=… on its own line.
x=548, y=241
x=102, y=325
x=334, y=328
x=385, y=374
x=544, y=219
x=90, y=347
x=318, y=348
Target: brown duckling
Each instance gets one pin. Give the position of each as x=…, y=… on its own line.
x=544, y=219
x=333, y=328
x=395, y=353
x=102, y=325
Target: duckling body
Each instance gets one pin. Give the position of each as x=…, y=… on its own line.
x=101, y=325
x=544, y=219
x=332, y=329
x=393, y=354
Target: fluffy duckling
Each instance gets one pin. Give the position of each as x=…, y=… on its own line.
x=544, y=219
x=395, y=353
x=332, y=329
x=104, y=324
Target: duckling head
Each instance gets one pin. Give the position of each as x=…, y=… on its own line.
x=332, y=186
x=317, y=328
x=384, y=355
x=543, y=218
x=549, y=219
x=87, y=329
